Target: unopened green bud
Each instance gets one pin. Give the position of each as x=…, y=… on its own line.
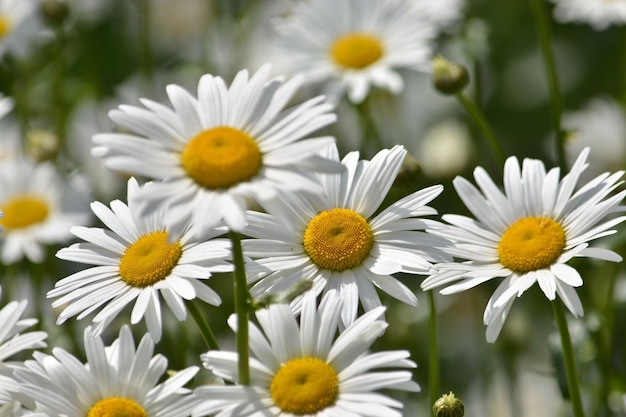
x=448, y=405
x=449, y=77
x=54, y=12
x=410, y=172
x=283, y=297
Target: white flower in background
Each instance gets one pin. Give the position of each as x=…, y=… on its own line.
x=600, y=14
x=338, y=242
x=39, y=208
x=442, y=13
x=527, y=234
x=216, y=151
x=601, y=126
x=87, y=119
x=19, y=25
x=6, y=105
x=117, y=380
x=302, y=369
x=141, y=256
x=355, y=44
x=445, y=149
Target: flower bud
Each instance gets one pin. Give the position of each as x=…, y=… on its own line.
x=54, y=12
x=449, y=77
x=41, y=145
x=448, y=406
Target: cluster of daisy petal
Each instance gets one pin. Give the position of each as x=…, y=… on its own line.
x=319, y=237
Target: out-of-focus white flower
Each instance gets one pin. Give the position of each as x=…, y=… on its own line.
x=601, y=126
x=19, y=25
x=444, y=14
x=352, y=45
x=445, y=149
x=600, y=14
x=85, y=121
x=39, y=208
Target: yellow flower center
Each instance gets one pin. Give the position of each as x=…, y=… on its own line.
x=24, y=210
x=356, y=50
x=116, y=407
x=149, y=260
x=531, y=243
x=221, y=157
x=304, y=386
x=5, y=26
x=338, y=239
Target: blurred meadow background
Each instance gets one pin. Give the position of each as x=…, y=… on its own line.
x=73, y=61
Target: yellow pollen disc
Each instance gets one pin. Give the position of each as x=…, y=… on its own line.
x=116, y=407
x=221, y=157
x=338, y=239
x=149, y=260
x=304, y=386
x=531, y=243
x=23, y=211
x=5, y=26
x=356, y=50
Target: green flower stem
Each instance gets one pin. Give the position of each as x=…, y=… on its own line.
x=543, y=29
x=144, y=39
x=568, y=359
x=241, y=309
x=203, y=326
x=433, y=351
x=59, y=85
x=371, y=141
x=483, y=125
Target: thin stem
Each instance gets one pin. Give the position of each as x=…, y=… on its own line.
x=483, y=125
x=568, y=359
x=144, y=38
x=241, y=309
x=372, y=141
x=59, y=84
x=543, y=29
x=203, y=326
x=433, y=351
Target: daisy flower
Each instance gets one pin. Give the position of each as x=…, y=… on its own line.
x=601, y=126
x=14, y=340
x=600, y=14
x=140, y=256
x=216, y=151
x=6, y=105
x=39, y=208
x=335, y=240
x=527, y=234
x=443, y=13
x=301, y=369
x=355, y=44
x=117, y=380
x=19, y=24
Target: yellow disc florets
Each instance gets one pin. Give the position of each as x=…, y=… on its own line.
x=149, y=259
x=356, y=50
x=24, y=210
x=338, y=239
x=221, y=157
x=5, y=26
x=531, y=243
x=304, y=386
x=116, y=407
